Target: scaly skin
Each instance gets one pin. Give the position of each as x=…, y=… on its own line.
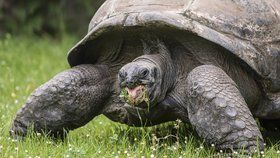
x=219, y=112
x=68, y=101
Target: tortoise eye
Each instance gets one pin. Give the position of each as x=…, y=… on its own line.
x=144, y=72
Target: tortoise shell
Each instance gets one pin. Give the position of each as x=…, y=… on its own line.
x=250, y=29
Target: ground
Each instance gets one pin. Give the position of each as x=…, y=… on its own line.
x=27, y=62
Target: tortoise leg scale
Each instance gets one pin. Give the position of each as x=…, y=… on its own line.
x=218, y=112
x=68, y=101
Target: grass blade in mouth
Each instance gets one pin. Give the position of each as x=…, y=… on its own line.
x=143, y=97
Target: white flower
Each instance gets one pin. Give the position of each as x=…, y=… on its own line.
x=13, y=95
x=14, y=140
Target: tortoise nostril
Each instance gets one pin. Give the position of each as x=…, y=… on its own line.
x=130, y=84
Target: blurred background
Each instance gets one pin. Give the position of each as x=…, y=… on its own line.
x=46, y=17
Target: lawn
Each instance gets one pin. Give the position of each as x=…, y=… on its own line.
x=27, y=62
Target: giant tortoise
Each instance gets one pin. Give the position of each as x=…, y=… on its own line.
x=210, y=63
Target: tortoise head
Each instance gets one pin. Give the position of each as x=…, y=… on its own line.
x=146, y=80
x=140, y=83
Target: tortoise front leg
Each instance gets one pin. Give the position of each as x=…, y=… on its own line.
x=218, y=111
x=68, y=101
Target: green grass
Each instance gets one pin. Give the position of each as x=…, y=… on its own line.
x=27, y=62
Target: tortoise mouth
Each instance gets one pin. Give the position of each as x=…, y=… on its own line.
x=137, y=96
